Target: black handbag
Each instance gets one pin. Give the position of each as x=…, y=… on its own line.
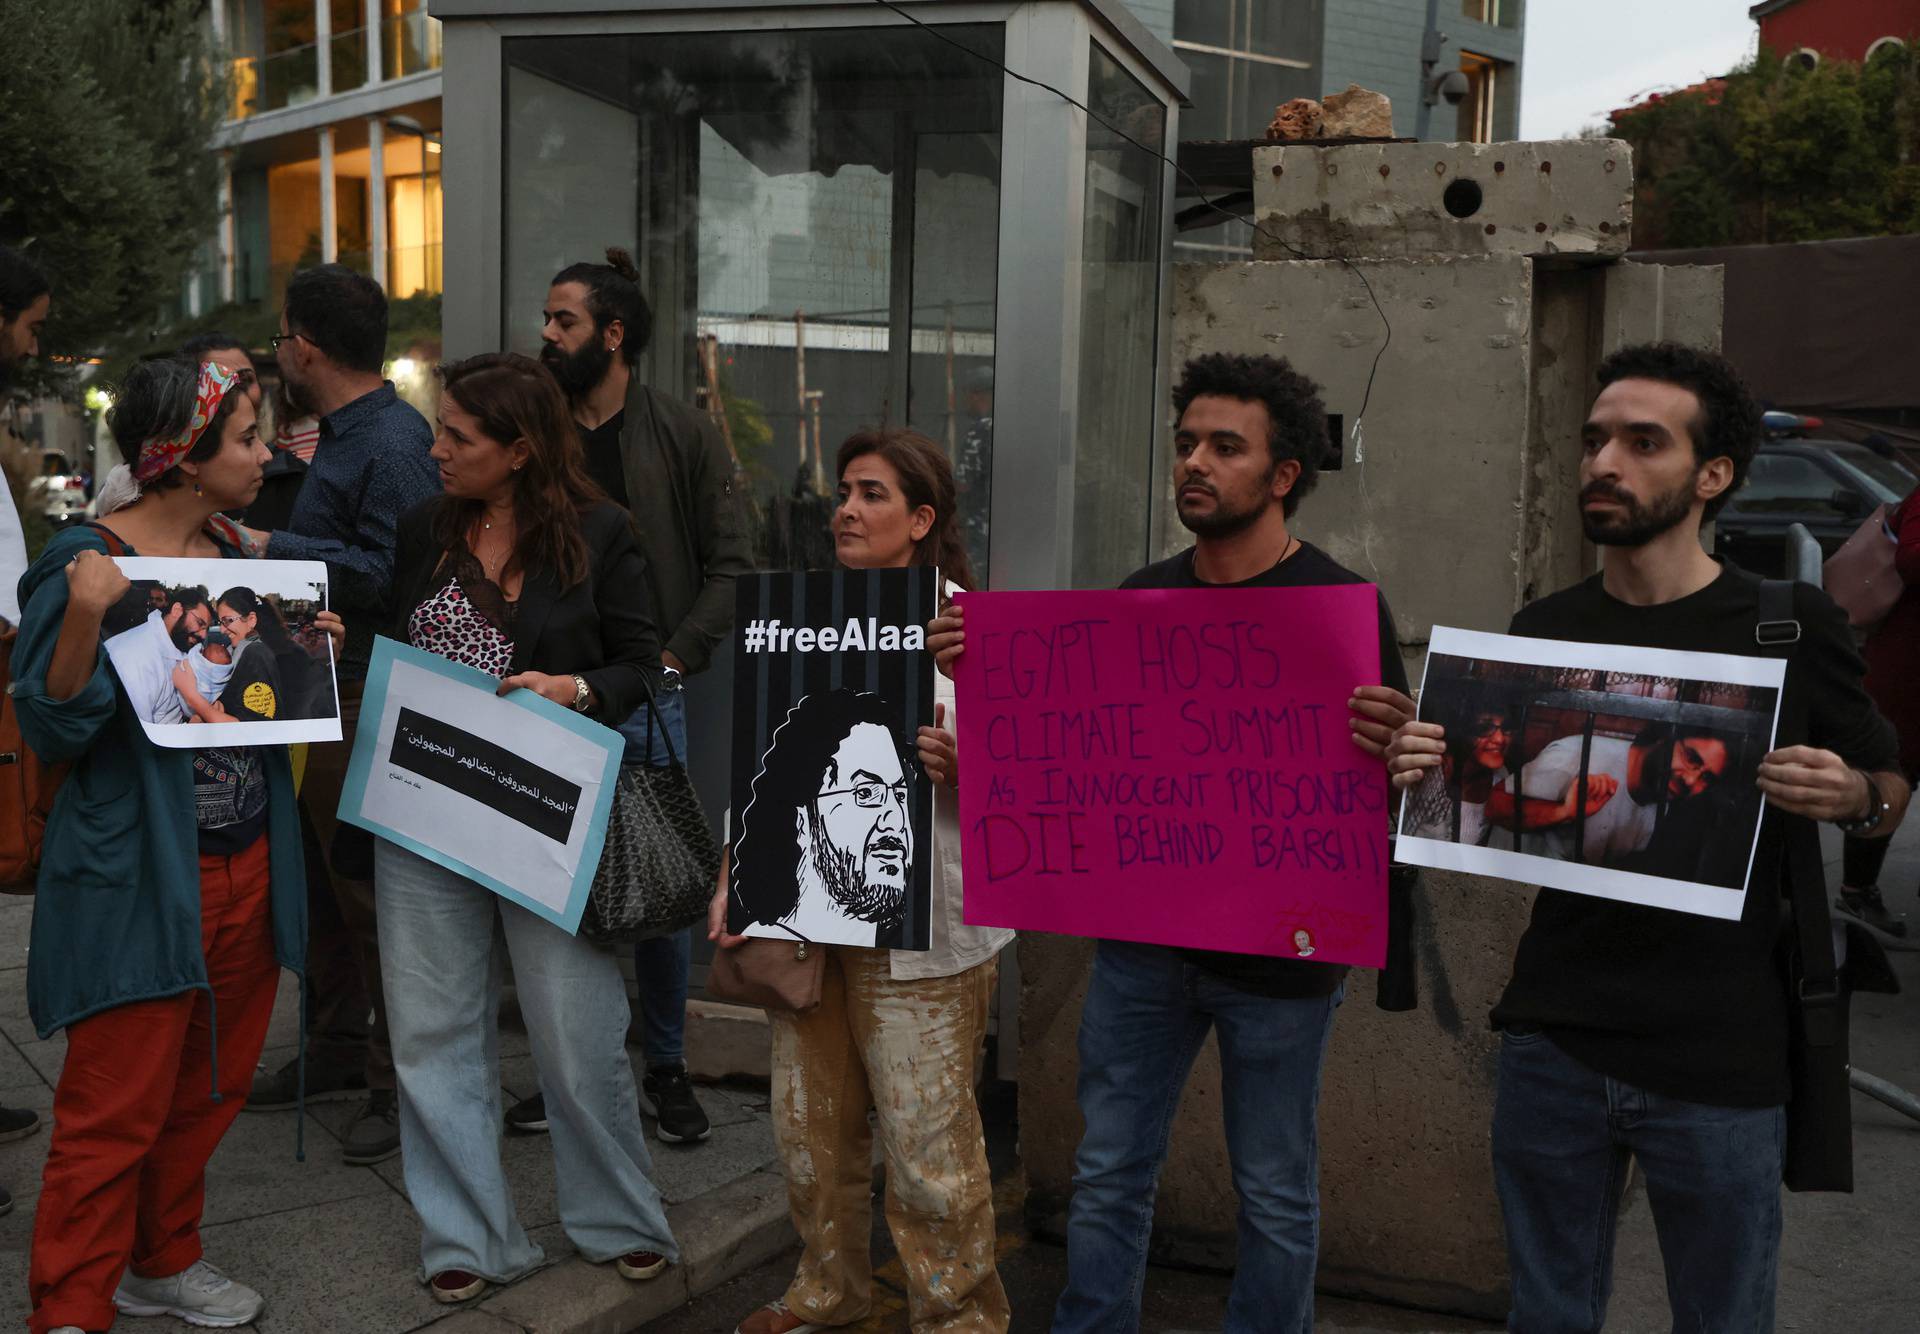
x=660, y=859
x=1819, y=1150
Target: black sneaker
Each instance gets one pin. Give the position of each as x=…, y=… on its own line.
x=529, y=1115
x=1867, y=906
x=279, y=1091
x=374, y=1135
x=666, y=1094
x=17, y=1123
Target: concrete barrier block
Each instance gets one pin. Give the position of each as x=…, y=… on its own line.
x=1571, y=199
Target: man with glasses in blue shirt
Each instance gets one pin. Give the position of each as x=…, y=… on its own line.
x=371, y=466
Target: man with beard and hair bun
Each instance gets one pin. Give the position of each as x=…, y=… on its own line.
x=1251, y=435
x=1638, y=1031
x=666, y=463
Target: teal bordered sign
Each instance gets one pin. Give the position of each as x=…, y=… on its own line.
x=510, y=791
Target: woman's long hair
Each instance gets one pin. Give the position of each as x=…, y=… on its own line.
x=516, y=398
x=926, y=478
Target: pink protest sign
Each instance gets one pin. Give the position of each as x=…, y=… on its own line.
x=1174, y=766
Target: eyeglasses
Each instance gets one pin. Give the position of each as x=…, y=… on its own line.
x=231, y=619
x=1492, y=729
x=872, y=793
x=275, y=341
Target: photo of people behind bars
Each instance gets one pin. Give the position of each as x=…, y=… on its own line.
x=1624, y=770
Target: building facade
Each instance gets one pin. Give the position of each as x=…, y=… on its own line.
x=331, y=149
x=1838, y=29
x=1249, y=56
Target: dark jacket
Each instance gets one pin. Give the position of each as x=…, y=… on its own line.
x=602, y=629
x=280, y=483
x=117, y=915
x=680, y=487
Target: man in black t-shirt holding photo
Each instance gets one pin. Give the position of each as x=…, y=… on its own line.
x=1251, y=435
x=1642, y=1031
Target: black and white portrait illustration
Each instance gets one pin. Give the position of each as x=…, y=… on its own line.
x=827, y=842
x=832, y=819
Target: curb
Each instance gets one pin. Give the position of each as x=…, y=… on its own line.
x=722, y=1233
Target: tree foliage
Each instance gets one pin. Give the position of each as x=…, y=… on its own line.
x=1777, y=152
x=107, y=114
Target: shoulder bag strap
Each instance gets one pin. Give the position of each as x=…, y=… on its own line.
x=1816, y=979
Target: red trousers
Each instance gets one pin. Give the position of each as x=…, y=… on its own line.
x=135, y=1118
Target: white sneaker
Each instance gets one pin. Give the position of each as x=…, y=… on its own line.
x=66, y=1329
x=201, y=1295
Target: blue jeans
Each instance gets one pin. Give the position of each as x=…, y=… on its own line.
x=1146, y=1015
x=1562, y=1134
x=443, y=986
x=661, y=964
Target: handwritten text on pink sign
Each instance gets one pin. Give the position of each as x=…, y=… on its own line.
x=1174, y=766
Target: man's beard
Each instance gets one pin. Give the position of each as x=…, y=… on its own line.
x=855, y=896
x=1655, y=766
x=1225, y=521
x=1636, y=524
x=578, y=372
x=182, y=640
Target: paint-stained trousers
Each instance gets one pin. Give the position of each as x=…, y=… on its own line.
x=906, y=1049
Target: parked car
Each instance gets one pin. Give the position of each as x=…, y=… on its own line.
x=1829, y=485
x=59, y=493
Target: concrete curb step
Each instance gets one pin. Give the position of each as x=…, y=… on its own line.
x=723, y=1233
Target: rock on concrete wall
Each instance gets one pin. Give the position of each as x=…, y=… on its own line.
x=1459, y=502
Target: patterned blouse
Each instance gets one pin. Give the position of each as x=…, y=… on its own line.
x=469, y=620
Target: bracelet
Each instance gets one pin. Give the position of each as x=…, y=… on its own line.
x=1877, y=809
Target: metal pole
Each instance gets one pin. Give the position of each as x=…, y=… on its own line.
x=800, y=377
x=377, y=200
x=329, y=230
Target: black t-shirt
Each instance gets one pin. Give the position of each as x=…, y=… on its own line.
x=602, y=445
x=1686, y=1006
x=252, y=693
x=1259, y=974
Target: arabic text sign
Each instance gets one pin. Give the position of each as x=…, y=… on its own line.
x=510, y=791
x=1173, y=766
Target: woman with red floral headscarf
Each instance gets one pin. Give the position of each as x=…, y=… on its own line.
x=172, y=887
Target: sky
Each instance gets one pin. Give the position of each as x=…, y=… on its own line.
x=1583, y=59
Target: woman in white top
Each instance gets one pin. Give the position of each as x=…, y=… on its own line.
x=896, y=1031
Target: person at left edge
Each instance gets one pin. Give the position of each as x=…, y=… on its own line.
x=26, y=299
x=369, y=467
x=1247, y=448
x=665, y=462
x=523, y=570
x=171, y=889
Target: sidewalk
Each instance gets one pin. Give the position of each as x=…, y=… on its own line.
x=335, y=1249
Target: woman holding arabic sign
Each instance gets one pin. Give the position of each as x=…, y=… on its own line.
x=524, y=570
x=172, y=885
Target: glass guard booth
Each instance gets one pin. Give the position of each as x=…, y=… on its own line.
x=845, y=217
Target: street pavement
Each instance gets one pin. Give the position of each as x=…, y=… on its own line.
x=335, y=1249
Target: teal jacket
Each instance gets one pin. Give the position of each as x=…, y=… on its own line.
x=116, y=917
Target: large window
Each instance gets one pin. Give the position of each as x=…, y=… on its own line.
x=1246, y=57
x=816, y=216
x=1119, y=328
x=1486, y=112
